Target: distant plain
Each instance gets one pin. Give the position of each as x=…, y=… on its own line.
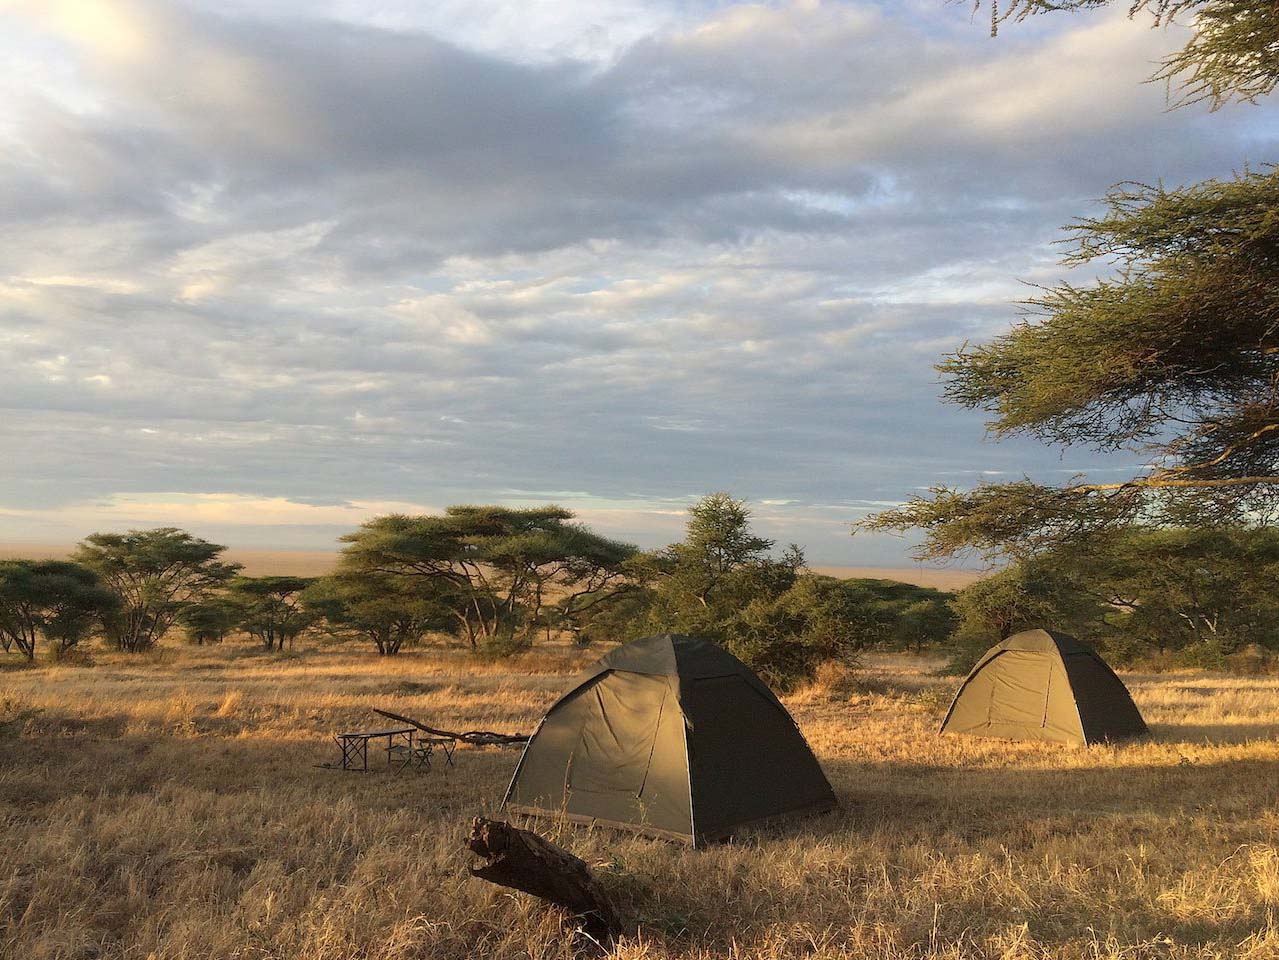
x=316, y=563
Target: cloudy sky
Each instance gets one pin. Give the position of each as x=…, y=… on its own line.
x=269, y=267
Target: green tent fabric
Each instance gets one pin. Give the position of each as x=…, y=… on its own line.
x=1042, y=685
x=670, y=736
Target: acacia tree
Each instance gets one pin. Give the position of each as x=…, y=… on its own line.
x=390, y=611
x=155, y=575
x=721, y=566
x=722, y=583
x=53, y=600
x=718, y=541
x=1176, y=356
x=491, y=566
x=1174, y=588
x=271, y=608
x=210, y=620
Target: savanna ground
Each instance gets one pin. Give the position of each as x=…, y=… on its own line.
x=170, y=807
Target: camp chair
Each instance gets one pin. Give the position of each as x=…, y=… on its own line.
x=424, y=749
x=419, y=753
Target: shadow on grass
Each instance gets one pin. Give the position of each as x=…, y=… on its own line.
x=59, y=756
x=1109, y=815
x=887, y=810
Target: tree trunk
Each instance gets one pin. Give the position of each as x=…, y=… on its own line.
x=522, y=860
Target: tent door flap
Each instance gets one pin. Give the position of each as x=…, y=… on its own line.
x=615, y=747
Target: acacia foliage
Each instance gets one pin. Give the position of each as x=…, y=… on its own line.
x=50, y=601
x=501, y=573
x=1180, y=349
x=1175, y=356
x=1232, y=53
x=1193, y=593
x=1178, y=355
x=155, y=575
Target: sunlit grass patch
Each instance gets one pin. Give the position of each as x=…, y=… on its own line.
x=172, y=807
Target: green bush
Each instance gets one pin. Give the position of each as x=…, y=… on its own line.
x=1201, y=656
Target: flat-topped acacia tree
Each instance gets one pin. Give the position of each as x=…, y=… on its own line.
x=389, y=610
x=155, y=575
x=209, y=620
x=1176, y=355
x=493, y=568
x=271, y=609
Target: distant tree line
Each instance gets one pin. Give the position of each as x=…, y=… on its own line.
x=498, y=579
x=495, y=579
x=1194, y=595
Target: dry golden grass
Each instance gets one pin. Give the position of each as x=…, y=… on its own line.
x=169, y=807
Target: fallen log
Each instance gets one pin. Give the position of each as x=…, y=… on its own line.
x=476, y=738
x=522, y=860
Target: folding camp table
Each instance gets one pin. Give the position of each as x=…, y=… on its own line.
x=355, y=746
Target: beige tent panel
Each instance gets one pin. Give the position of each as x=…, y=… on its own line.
x=613, y=753
x=1018, y=695
x=622, y=716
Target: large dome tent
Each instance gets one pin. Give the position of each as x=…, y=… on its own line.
x=670, y=736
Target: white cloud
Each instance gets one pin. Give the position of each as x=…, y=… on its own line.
x=398, y=252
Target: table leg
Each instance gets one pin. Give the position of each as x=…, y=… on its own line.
x=350, y=751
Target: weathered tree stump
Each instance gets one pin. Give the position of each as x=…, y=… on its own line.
x=522, y=860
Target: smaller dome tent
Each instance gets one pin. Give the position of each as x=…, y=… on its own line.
x=1043, y=685
x=671, y=736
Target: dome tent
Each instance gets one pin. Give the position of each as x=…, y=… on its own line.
x=671, y=736
x=1043, y=685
